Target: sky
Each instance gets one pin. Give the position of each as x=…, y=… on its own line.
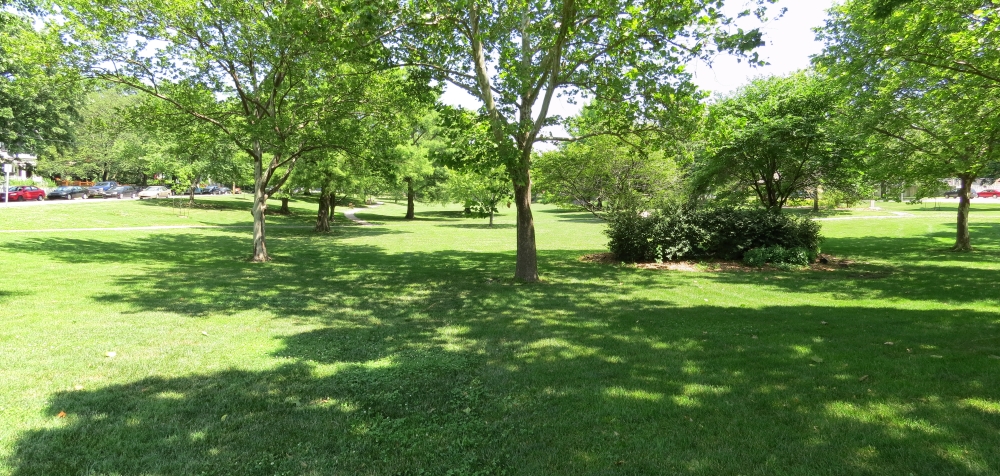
x=789, y=42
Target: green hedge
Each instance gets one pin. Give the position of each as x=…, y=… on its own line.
x=723, y=233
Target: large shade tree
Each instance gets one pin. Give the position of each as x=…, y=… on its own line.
x=774, y=137
x=272, y=76
x=38, y=95
x=925, y=76
x=517, y=56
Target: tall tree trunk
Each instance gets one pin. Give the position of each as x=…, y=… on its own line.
x=962, y=240
x=258, y=211
x=816, y=199
x=333, y=203
x=527, y=257
x=191, y=190
x=409, y=197
x=491, y=218
x=284, y=207
x=323, y=215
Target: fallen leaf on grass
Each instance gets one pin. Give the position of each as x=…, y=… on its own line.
x=61, y=415
x=995, y=356
x=78, y=387
x=817, y=359
x=862, y=379
x=888, y=343
x=938, y=356
x=111, y=354
x=822, y=322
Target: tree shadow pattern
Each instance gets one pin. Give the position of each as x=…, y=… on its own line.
x=434, y=363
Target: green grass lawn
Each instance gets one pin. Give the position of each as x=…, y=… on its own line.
x=404, y=348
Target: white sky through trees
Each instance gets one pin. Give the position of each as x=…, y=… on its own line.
x=790, y=41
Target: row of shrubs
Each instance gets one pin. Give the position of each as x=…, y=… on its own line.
x=760, y=236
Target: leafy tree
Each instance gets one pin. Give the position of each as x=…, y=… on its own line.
x=108, y=144
x=773, y=137
x=632, y=171
x=417, y=167
x=481, y=191
x=515, y=57
x=273, y=77
x=38, y=95
x=190, y=150
x=925, y=76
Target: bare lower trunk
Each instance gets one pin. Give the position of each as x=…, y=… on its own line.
x=193, y=185
x=258, y=211
x=333, y=203
x=962, y=240
x=816, y=200
x=323, y=215
x=491, y=218
x=409, y=198
x=527, y=258
x=284, y=207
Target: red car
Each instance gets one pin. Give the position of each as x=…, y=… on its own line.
x=989, y=193
x=25, y=192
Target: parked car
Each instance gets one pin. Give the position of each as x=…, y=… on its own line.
x=957, y=192
x=99, y=189
x=989, y=193
x=24, y=192
x=156, y=191
x=216, y=190
x=68, y=192
x=121, y=191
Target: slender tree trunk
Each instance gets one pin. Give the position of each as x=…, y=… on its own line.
x=323, y=215
x=409, y=198
x=527, y=257
x=258, y=211
x=491, y=218
x=191, y=194
x=333, y=203
x=962, y=240
x=284, y=207
x=816, y=199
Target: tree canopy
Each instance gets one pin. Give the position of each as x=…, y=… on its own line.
x=925, y=76
x=773, y=137
x=516, y=57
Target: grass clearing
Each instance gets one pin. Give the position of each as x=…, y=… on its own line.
x=404, y=348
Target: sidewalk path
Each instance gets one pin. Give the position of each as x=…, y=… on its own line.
x=349, y=213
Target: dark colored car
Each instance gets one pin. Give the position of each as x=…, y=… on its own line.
x=68, y=192
x=956, y=193
x=989, y=193
x=215, y=190
x=121, y=191
x=99, y=189
x=24, y=192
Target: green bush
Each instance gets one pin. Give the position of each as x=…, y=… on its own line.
x=777, y=256
x=723, y=233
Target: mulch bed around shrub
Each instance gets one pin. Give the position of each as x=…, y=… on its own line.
x=825, y=263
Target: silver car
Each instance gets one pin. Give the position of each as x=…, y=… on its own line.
x=155, y=191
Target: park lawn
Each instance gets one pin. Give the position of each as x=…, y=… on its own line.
x=404, y=348
x=208, y=210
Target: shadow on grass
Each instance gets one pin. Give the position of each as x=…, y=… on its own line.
x=647, y=388
x=433, y=363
